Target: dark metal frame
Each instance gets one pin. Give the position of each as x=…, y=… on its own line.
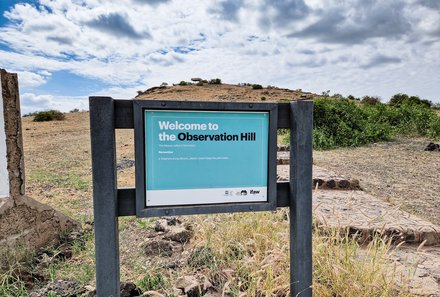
x=139, y=106
x=109, y=202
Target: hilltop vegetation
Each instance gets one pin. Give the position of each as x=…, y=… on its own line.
x=341, y=122
x=338, y=121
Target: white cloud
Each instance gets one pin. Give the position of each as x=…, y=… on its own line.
x=31, y=102
x=30, y=79
x=352, y=46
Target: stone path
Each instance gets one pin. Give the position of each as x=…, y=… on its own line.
x=358, y=212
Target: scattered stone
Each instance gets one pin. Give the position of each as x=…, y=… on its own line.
x=172, y=221
x=161, y=225
x=318, y=182
x=180, y=235
x=61, y=288
x=158, y=248
x=432, y=147
x=88, y=226
x=190, y=286
x=124, y=164
x=194, y=290
x=129, y=289
x=331, y=184
x=89, y=291
x=344, y=184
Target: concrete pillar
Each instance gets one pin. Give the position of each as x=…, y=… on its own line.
x=24, y=222
x=11, y=141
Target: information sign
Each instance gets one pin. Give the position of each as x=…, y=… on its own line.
x=205, y=157
x=202, y=157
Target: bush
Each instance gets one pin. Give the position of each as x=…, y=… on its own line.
x=49, y=115
x=257, y=87
x=183, y=83
x=343, y=123
x=215, y=81
x=370, y=100
x=400, y=99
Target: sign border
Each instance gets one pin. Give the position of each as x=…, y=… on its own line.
x=139, y=136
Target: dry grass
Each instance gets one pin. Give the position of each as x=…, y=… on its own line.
x=249, y=253
x=241, y=254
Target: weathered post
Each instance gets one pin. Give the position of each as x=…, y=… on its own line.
x=105, y=202
x=301, y=118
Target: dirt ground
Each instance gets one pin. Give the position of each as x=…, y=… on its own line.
x=398, y=172
x=224, y=92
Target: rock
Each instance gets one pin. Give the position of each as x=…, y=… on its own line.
x=129, y=289
x=161, y=225
x=158, y=247
x=190, y=286
x=431, y=147
x=184, y=281
x=89, y=291
x=172, y=221
x=180, y=235
x=331, y=183
x=194, y=290
x=61, y=288
x=344, y=184
x=318, y=181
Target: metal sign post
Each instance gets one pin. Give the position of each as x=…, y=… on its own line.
x=108, y=114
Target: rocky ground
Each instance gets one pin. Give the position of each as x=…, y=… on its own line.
x=399, y=172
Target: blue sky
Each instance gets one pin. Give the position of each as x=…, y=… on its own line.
x=67, y=50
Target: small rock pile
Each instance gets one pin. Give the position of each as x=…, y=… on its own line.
x=171, y=234
x=432, y=147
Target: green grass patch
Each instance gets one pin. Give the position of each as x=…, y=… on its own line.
x=69, y=180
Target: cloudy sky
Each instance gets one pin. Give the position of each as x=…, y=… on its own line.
x=67, y=50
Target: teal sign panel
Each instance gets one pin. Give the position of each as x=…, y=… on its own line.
x=204, y=157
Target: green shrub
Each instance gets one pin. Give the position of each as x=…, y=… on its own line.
x=49, y=115
x=343, y=123
x=183, y=83
x=215, y=81
x=400, y=99
x=257, y=87
x=370, y=100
